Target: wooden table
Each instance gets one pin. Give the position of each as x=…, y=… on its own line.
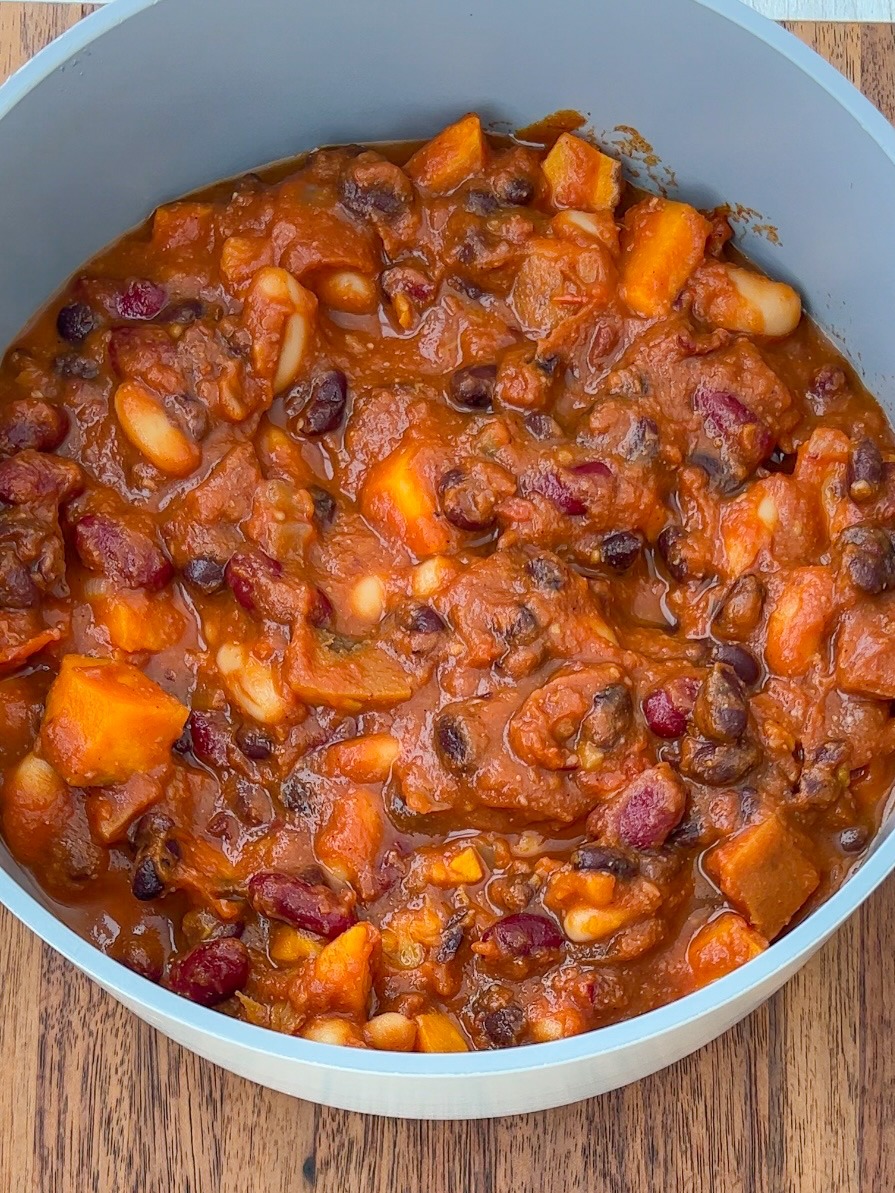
x=798, y=1099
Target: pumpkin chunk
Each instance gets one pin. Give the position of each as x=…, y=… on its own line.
x=581, y=176
x=663, y=243
x=450, y=157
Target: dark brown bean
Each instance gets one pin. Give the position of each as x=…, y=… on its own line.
x=781, y=462
x=609, y=718
x=147, y=883
x=211, y=972
x=73, y=366
x=255, y=743
x=641, y=444
x=825, y=777
x=868, y=557
x=465, y=503
x=31, y=423
x=740, y=611
x=188, y=310
x=542, y=426
x=854, y=839
x=375, y=188
x=297, y=794
x=189, y=413
x=205, y=575
x=302, y=904
x=721, y=711
x=602, y=857
x=516, y=191
x=482, y=202
x=325, y=406
x=742, y=661
x=717, y=763
x=75, y=322
x=621, y=550
x=17, y=589
x=324, y=506
x=121, y=552
x=424, y=619
x=548, y=574
x=866, y=471
x=503, y=1028
x=671, y=543
x=472, y=388
x=210, y=737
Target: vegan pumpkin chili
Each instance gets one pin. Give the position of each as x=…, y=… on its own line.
x=443, y=606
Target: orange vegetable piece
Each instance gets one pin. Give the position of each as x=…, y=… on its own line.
x=398, y=497
x=662, y=244
x=136, y=621
x=365, y=759
x=105, y=721
x=342, y=976
x=450, y=157
x=865, y=648
x=112, y=809
x=799, y=619
x=360, y=678
x=20, y=638
x=437, y=1033
x=349, y=842
x=180, y=224
x=722, y=946
x=764, y=874
x=581, y=176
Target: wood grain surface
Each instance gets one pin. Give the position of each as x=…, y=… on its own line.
x=798, y=1099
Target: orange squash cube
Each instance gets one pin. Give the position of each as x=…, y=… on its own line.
x=764, y=874
x=581, y=176
x=437, y=1033
x=722, y=946
x=799, y=619
x=105, y=721
x=450, y=157
x=348, y=843
x=342, y=976
x=397, y=497
x=662, y=244
x=365, y=759
x=136, y=621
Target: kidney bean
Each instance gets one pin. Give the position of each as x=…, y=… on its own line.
x=307, y=905
x=621, y=550
x=121, y=552
x=741, y=609
x=31, y=476
x=865, y=471
x=75, y=322
x=721, y=711
x=610, y=716
x=211, y=972
x=325, y=407
x=210, y=736
x=248, y=574
x=206, y=575
x=31, y=423
x=472, y=388
x=868, y=557
x=524, y=935
x=742, y=661
x=828, y=386
x=556, y=490
x=503, y=1028
x=254, y=743
x=137, y=957
x=548, y=574
x=147, y=883
x=324, y=505
x=72, y=365
x=652, y=806
x=717, y=763
x=667, y=709
x=141, y=299
x=602, y=857
x=592, y=468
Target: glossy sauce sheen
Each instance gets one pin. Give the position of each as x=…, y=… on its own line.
x=478, y=628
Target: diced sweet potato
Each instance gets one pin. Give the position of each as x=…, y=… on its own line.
x=662, y=244
x=437, y=1033
x=354, y=680
x=105, y=721
x=348, y=844
x=581, y=176
x=366, y=759
x=342, y=976
x=764, y=874
x=457, y=152
x=242, y=257
x=137, y=621
x=865, y=648
x=21, y=637
x=799, y=619
x=462, y=868
x=178, y=225
x=112, y=810
x=722, y=946
x=398, y=497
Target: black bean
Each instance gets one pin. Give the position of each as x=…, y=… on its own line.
x=449, y=946
x=297, y=794
x=517, y=192
x=740, y=610
x=188, y=310
x=743, y=661
x=548, y=574
x=481, y=202
x=325, y=407
x=853, y=840
x=146, y=882
x=255, y=743
x=717, y=763
x=868, y=556
x=324, y=505
x=72, y=365
x=465, y=503
x=642, y=441
x=610, y=716
x=601, y=857
x=189, y=412
x=75, y=322
x=671, y=544
x=207, y=575
x=425, y=620
x=453, y=743
x=866, y=471
x=721, y=711
x=781, y=461
x=621, y=550
x=472, y=388
x=504, y=1026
